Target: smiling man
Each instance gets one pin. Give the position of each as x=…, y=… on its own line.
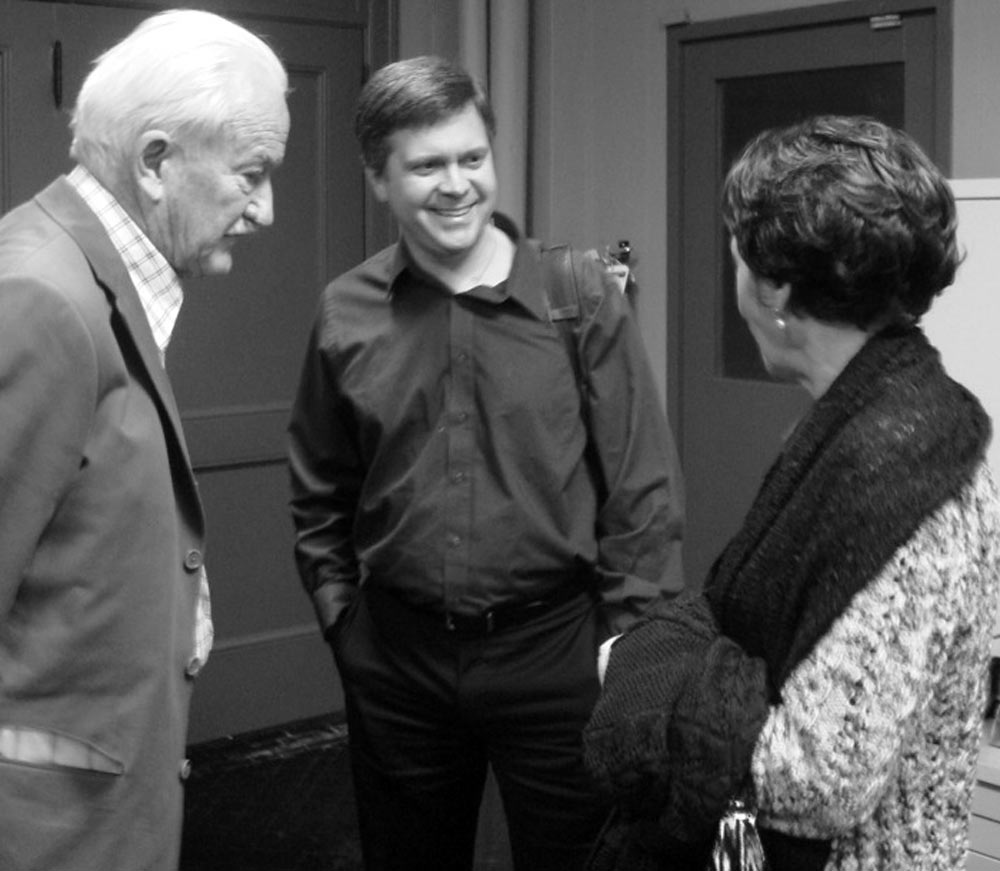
x=104, y=615
x=472, y=521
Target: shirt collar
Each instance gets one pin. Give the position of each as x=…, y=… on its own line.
x=155, y=281
x=523, y=285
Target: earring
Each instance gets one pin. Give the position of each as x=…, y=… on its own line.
x=779, y=319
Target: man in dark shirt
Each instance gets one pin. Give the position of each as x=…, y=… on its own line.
x=472, y=523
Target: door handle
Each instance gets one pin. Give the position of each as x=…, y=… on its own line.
x=57, y=73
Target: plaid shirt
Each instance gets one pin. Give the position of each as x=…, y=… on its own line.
x=161, y=296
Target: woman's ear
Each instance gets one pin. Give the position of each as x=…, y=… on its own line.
x=774, y=296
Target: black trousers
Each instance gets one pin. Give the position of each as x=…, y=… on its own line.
x=428, y=710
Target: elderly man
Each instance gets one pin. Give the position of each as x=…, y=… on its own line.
x=104, y=617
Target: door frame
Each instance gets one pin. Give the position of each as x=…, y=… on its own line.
x=682, y=35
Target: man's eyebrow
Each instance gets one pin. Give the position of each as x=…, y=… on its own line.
x=263, y=160
x=419, y=159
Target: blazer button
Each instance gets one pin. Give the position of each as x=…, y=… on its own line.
x=185, y=770
x=192, y=560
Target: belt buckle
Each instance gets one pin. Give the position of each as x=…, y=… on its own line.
x=485, y=623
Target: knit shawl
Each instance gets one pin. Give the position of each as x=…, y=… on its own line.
x=890, y=442
x=688, y=687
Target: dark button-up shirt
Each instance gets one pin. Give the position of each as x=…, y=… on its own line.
x=437, y=448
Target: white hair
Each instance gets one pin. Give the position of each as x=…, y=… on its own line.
x=180, y=71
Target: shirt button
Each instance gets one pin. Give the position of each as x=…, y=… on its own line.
x=458, y=477
x=185, y=769
x=462, y=416
x=454, y=540
x=193, y=668
x=192, y=560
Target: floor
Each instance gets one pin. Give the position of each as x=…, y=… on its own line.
x=278, y=800
x=282, y=800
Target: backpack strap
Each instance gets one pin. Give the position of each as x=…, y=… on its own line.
x=570, y=301
x=562, y=295
x=567, y=309
x=562, y=299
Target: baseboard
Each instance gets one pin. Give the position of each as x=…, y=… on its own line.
x=272, y=744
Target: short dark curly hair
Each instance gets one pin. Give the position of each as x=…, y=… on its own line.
x=416, y=92
x=850, y=213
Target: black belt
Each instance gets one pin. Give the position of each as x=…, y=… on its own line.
x=505, y=616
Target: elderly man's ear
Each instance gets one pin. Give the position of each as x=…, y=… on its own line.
x=155, y=147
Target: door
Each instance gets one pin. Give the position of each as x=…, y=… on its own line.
x=236, y=351
x=729, y=80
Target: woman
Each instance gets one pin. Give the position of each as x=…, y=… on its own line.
x=832, y=669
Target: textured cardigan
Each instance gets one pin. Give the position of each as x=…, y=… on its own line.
x=876, y=741
x=874, y=744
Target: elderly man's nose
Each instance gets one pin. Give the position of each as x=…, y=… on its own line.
x=260, y=210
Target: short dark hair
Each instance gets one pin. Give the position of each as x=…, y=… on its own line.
x=416, y=92
x=850, y=213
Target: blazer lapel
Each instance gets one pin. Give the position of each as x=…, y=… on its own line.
x=61, y=201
